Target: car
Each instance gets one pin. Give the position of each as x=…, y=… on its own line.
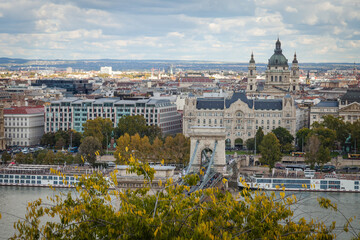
x=326, y=168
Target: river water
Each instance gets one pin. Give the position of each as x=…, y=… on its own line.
x=13, y=202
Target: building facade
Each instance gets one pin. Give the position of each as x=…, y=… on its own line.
x=347, y=107
x=72, y=113
x=240, y=116
x=280, y=79
x=24, y=126
x=2, y=129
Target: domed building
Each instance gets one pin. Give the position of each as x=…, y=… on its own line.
x=279, y=78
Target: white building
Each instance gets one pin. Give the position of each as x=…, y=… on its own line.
x=106, y=70
x=24, y=126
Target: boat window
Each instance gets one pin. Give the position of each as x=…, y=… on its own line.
x=356, y=183
x=22, y=177
x=44, y=177
x=32, y=181
x=11, y=176
x=16, y=181
x=38, y=177
x=6, y=176
x=55, y=182
x=27, y=177
x=50, y=177
x=323, y=182
x=22, y=181
x=261, y=180
x=28, y=181
x=334, y=182
x=323, y=186
x=0, y=180
x=11, y=181
x=6, y=181
x=33, y=177
x=356, y=187
x=1, y=176
x=38, y=182
x=17, y=176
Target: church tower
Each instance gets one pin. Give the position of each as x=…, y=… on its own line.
x=294, y=82
x=251, y=79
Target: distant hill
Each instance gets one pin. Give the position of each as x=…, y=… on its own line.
x=13, y=60
x=141, y=65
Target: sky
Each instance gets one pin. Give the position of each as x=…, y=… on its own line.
x=211, y=30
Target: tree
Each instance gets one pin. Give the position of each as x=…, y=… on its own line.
x=338, y=125
x=167, y=213
x=88, y=148
x=20, y=158
x=312, y=148
x=250, y=144
x=285, y=138
x=5, y=157
x=323, y=156
x=301, y=137
x=48, y=139
x=131, y=125
x=259, y=136
x=152, y=132
x=122, y=147
x=270, y=150
x=326, y=136
x=99, y=128
x=60, y=143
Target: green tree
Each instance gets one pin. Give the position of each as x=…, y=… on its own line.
x=20, y=158
x=167, y=213
x=99, y=128
x=250, y=144
x=88, y=148
x=285, y=138
x=338, y=125
x=270, y=150
x=60, y=143
x=312, y=148
x=152, y=132
x=131, y=125
x=323, y=156
x=326, y=136
x=301, y=137
x=5, y=157
x=48, y=139
x=259, y=137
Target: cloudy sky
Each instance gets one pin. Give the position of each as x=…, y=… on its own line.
x=214, y=30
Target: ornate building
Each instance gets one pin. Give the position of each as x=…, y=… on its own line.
x=279, y=78
x=347, y=107
x=2, y=129
x=240, y=116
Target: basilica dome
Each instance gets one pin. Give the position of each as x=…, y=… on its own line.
x=278, y=59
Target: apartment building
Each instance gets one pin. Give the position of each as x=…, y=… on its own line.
x=72, y=113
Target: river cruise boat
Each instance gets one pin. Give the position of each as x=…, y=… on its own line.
x=307, y=181
x=34, y=176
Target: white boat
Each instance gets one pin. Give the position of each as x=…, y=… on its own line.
x=35, y=180
x=321, y=183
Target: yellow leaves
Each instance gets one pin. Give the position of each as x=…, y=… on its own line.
x=277, y=186
x=162, y=162
x=156, y=231
x=126, y=149
x=282, y=195
x=201, y=172
x=82, y=158
x=160, y=183
x=97, y=153
x=224, y=180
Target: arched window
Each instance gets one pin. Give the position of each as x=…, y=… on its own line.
x=272, y=78
x=280, y=79
x=275, y=78
x=251, y=72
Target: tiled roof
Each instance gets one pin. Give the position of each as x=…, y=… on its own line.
x=327, y=104
x=218, y=103
x=352, y=95
x=24, y=110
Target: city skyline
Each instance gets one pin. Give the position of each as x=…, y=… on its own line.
x=228, y=31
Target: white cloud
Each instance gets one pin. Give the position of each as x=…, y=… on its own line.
x=291, y=9
x=319, y=30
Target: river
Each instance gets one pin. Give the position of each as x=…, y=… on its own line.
x=13, y=202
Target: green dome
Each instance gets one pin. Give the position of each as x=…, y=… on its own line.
x=278, y=59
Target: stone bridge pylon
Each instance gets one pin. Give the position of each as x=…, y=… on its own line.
x=209, y=139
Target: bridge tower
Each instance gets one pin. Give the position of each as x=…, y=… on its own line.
x=207, y=138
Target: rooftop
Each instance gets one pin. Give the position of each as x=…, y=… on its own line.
x=24, y=110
